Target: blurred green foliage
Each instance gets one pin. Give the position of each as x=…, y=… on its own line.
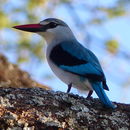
x=114, y=12
x=13, y=12
x=112, y=46
x=4, y=20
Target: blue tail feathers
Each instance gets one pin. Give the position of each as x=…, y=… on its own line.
x=98, y=88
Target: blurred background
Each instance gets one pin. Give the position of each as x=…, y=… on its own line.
x=102, y=26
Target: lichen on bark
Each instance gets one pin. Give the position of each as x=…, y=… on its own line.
x=36, y=108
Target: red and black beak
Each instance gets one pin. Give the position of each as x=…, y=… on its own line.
x=31, y=28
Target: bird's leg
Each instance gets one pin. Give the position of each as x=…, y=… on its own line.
x=69, y=87
x=89, y=94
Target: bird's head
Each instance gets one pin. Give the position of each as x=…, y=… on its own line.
x=51, y=29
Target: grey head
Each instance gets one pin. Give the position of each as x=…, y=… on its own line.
x=56, y=30
x=53, y=22
x=52, y=29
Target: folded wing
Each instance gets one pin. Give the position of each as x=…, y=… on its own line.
x=76, y=59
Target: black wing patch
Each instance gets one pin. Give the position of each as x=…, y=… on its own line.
x=61, y=57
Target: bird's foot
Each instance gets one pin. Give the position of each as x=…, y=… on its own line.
x=69, y=87
x=89, y=94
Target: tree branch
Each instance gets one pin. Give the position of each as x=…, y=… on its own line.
x=36, y=108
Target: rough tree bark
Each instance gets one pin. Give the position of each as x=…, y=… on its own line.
x=36, y=108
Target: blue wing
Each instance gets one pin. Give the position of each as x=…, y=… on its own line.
x=74, y=58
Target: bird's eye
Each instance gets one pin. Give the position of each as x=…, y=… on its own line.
x=52, y=25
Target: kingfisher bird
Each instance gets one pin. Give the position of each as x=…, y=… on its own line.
x=71, y=62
